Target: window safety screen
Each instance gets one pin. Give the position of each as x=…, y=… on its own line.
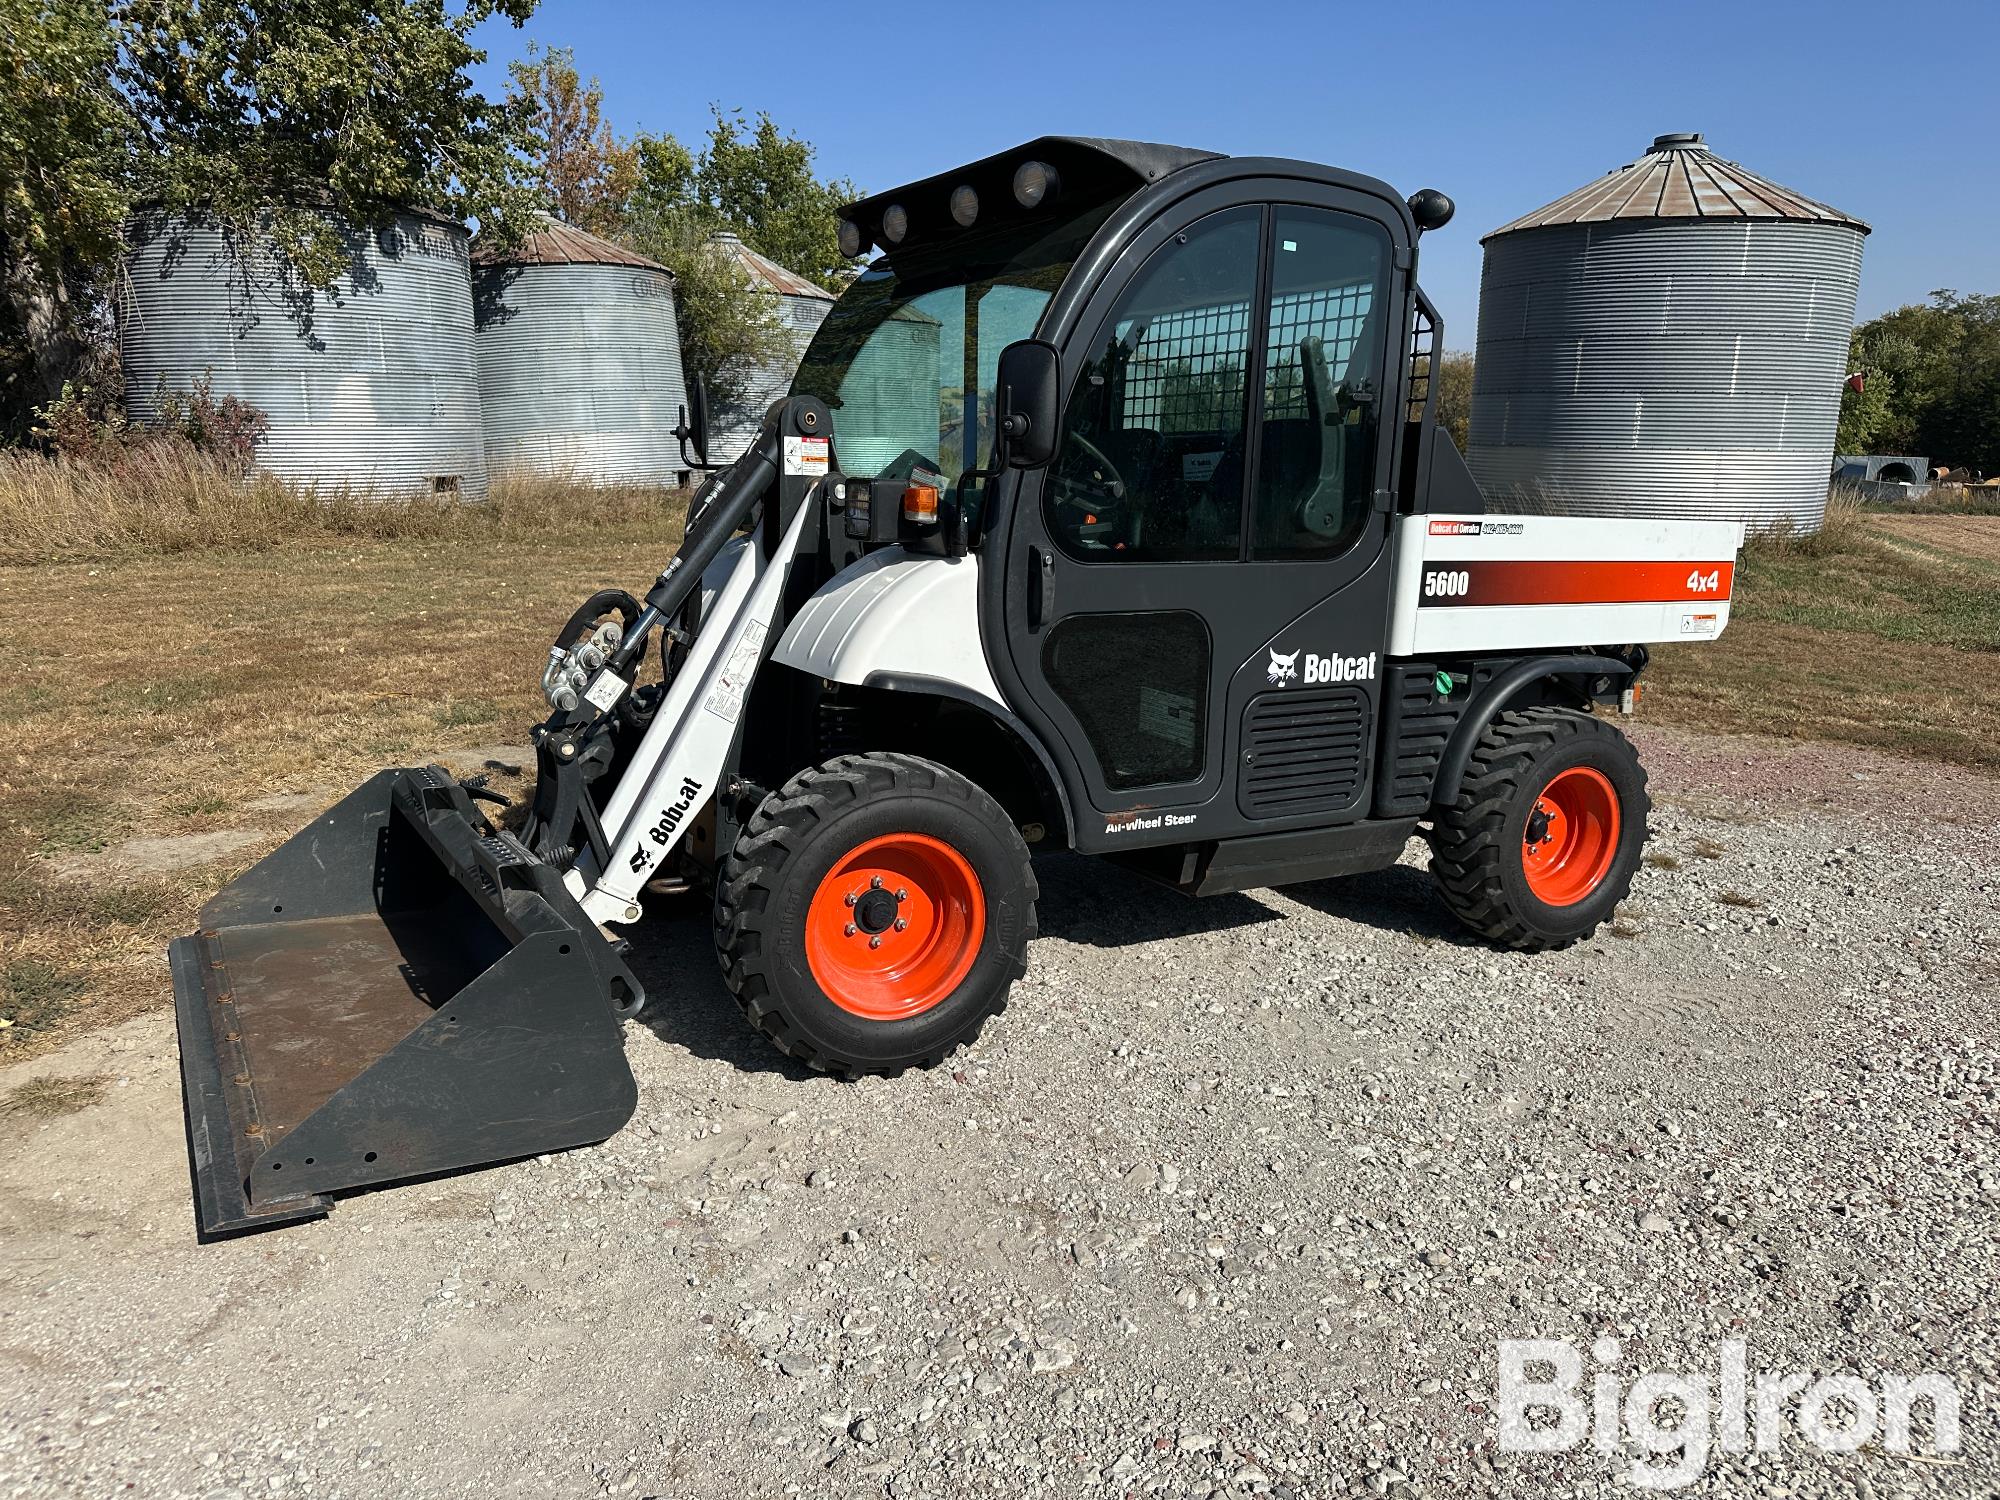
x=1152, y=457
x=1327, y=331
x=1138, y=684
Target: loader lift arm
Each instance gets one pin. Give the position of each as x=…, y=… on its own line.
x=598, y=725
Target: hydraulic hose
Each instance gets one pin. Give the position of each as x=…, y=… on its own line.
x=599, y=604
x=738, y=491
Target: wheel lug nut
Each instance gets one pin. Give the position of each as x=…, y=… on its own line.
x=875, y=942
x=901, y=924
x=901, y=894
x=850, y=929
x=852, y=898
x=874, y=882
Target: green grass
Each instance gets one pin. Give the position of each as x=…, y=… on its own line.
x=196, y=805
x=35, y=995
x=467, y=713
x=127, y=905
x=1891, y=588
x=1881, y=630
x=69, y=821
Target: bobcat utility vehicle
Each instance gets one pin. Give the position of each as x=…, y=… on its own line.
x=1109, y=512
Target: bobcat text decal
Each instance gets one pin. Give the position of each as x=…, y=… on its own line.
x=1284, y=669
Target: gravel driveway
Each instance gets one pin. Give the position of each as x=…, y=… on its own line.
x=1236, y=1197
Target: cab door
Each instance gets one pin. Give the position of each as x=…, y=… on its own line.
x=1196, y=586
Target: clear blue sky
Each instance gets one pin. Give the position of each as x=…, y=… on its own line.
x=1888, y=111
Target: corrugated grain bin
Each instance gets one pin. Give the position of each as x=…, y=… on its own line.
x=579, y=359
x=1669, y=340
x=370, y=387
x=802, y=307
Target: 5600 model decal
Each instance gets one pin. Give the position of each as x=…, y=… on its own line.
x=1489, y=583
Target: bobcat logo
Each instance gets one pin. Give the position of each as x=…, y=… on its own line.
x=1283, y=668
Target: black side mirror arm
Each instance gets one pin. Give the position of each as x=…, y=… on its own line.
x=684, y=433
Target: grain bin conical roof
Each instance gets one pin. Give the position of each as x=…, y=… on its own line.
x=554, y=243
x=766, y=274
x=1679, y=178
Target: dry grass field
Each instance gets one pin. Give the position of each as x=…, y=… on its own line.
x=189, y=678
x=1883, y=630
x=170, y=717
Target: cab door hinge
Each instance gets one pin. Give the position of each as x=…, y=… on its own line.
x=1384, y=502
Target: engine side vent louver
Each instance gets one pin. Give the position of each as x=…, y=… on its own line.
x=1305, y=752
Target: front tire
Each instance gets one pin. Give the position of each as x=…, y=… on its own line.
x=874, y=913
x=1547, y=832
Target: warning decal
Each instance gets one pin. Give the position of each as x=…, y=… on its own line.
x=805, y=455
x=725, y=700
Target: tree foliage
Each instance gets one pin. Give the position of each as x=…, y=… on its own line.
x=760, y=182
x=1454, y=403
x=1931, y=383
x=755, y=182
x=583, y=171
x=64, y=155
x=290, y=124
x=726, y=324
x=293, y=117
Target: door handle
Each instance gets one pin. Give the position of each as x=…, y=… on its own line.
x=1041, y=586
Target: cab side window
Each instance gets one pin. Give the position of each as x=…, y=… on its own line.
x=1326, y=335
x=1150, y=467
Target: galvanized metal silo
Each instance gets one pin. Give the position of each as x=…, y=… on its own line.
x=371, y=386
x=579, y=359
x=802, y=306
x=1669, y=340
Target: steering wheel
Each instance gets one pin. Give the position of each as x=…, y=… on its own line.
x=1104, y=485
x=1096, y=488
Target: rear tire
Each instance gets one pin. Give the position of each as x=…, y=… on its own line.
x=874, y=913
x=1546, y=834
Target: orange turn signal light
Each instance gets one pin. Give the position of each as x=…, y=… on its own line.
x=920, y=504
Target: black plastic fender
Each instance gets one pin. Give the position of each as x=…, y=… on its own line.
x=1499, y=693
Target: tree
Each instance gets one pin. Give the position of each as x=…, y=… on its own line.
x=64, y=138
x=1866, y=415
x=1454, y=403
x=583, y=170
x=757, y=182
x=759, y=185
x=1931, y=382
x=726, y=324
x=293, y=118
x=762, y=185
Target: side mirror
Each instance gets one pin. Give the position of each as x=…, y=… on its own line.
x=693, y=428
x=1431, y=209
x=1025, y=402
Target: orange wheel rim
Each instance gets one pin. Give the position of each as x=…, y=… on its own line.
x=895, y=926
x=1572, y=836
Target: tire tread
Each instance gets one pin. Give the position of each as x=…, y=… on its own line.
x=1468, y=846
x=776, y=833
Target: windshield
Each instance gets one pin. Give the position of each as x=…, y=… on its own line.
x=906, y=359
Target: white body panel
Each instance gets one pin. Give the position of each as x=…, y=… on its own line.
x=685, y=745
x=1503, y=583
x=894, y=612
